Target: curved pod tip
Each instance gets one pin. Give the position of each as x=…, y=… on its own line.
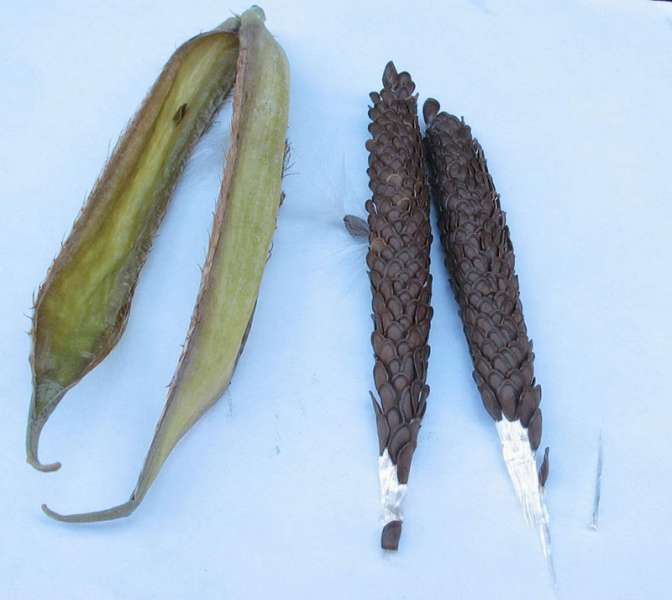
x=32, y=444
x=44, y=468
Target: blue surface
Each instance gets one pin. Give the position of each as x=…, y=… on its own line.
x=274, y=493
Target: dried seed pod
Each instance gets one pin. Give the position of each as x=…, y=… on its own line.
x=240, y=242
x=480, y=259
x=398, y=260
x=82, y=307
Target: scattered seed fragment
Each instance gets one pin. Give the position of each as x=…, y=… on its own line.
x=598, y=487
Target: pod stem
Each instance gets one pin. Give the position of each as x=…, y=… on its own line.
x=522, y=468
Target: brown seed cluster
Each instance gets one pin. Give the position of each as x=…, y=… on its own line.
x=480, y=259
x=398, y=261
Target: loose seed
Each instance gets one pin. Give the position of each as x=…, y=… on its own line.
x=82, y=307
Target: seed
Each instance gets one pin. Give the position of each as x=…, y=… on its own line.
x=82, y=307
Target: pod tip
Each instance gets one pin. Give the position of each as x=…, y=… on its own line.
x=48, y=468
x=50, y=513
x=258, y=11
x=32, y=441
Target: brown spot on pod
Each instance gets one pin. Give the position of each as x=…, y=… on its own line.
x=179, y=114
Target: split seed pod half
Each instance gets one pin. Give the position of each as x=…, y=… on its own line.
x=240, y=242
x=82, y=308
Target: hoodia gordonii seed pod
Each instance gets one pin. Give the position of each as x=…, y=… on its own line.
x=398, y=261
x=480, y=259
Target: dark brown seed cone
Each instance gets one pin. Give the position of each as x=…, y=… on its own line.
x=398, y=259
x=480, y=259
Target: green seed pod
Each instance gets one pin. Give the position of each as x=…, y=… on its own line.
x=82, y=308
x=240, y=242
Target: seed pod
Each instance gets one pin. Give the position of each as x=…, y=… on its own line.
x=480, y=260
x=241, y=237
x=82, y=308
x=398, y=261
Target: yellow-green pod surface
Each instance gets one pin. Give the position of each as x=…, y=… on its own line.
x=241, y=237
x=82, y=307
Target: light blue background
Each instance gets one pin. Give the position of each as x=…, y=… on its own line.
x=274, y=493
